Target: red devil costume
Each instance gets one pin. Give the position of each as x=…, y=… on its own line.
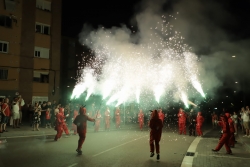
x=81, y=123
x=155, y=125
x=199, y=122
x=232, y=130
x=117, y=118
x=60, y=124
x=141, y=119
x=97, y=121
x=161, y=115
x=224, y=140
x=107, y=119
x=182, y=121
x=74, y=127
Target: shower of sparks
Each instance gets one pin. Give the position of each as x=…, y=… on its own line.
x=157, y=69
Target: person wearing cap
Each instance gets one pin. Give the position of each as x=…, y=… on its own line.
x=81, y=123
x=199, y=122
x=156, y=126
x=182, y=117
x=224, y=140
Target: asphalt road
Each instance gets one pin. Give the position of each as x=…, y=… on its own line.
x=118, y=148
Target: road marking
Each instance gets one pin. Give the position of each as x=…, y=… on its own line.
x=119, y=146
x=11, y=137
x=188, y=160
x=73, y=165
x=223, y=156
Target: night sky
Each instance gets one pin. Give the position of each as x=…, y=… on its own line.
x=215, y=29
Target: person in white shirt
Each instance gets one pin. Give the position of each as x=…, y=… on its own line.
x=15, y=113
x=245, y=117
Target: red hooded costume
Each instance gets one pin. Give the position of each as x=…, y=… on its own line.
x=232, y=130
x=81, y=123
x=117, y=118
x=182, y=121
x=141, y=119
x=60, y=124
x=155, y=125
x=199, y=122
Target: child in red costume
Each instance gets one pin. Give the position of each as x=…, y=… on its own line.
x=81, y=123
x=98, y=117
x=155, y=125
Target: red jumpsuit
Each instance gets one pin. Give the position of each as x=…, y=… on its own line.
x=161, y=116
x=107, y=119
x=224, y=140
x=232, y=130
x=155, y=125
x=60, y=125
x=97, y=121
x=182, y=122
x=74, y=128
x=117, y=118
x=199, y=122
x=81, y=123
x=141, y=119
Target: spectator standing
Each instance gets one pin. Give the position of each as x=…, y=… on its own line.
x=15, y=113
x=245, y=118
x=235, y=119
x=5, y=115
x=36, y=117
x=43, y=114
x=21, y=104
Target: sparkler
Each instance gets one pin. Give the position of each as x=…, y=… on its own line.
x=127, y=72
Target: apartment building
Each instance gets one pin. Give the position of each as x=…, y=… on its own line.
x=30, y=41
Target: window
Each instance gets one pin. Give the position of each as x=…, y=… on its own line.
x=41, y=52
x=5, y=21
x=10, y=5
x=42, y=77
x=44, y=5
x=4, y=47
x=43, y=28
x=3, y=74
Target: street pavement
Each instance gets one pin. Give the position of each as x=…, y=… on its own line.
x=125, y=147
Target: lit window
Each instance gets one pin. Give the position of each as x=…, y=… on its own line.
x=5, y=21
x=4, y=47
x=3, y=74
x=41, y=52
x=42, y=28
x=44, y=5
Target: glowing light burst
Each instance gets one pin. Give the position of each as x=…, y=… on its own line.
x=158, y=65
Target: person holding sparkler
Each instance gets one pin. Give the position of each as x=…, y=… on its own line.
x=141, y=119
x=107, y=119
x=156, y=126
x=182, y=121
x=98, y=117
x=117, y=118
x=81, y=123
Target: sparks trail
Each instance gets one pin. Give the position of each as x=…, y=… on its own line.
x=158, y=66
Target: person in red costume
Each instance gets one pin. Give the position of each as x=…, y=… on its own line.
x=107, y=119
x=199, y=122
x=81, y=123
x=74, y=128
x=214, y=120
x=182, y=121
x=155, y=125
x=224, y=140
x=117, y=118
x=161, y=115
x=60, y=124
x=232, y=130
x=98, y=117
x=141, y=119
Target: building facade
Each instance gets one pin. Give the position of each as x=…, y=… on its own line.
x=30, y=49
